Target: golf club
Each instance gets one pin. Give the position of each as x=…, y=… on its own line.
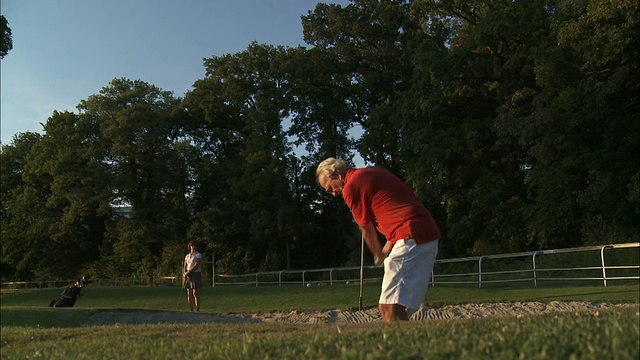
x=361, y=272
x=179, y=299
x=182, y=289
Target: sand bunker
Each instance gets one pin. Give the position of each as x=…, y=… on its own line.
x=519, y=309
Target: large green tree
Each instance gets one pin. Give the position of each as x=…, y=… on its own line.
x=469, y=59
x=140, y=140
x=579, y=125
x=17, y=219
x=368, y=45
x=323, y=113
x=237, y=112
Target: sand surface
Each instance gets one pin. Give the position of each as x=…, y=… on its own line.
x=518, y=309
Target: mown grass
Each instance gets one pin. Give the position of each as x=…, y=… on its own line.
x=609, y=334
x=224, y=299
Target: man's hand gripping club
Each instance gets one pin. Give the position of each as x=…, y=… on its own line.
x=370, y=235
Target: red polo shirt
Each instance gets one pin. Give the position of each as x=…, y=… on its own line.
x=376, y=196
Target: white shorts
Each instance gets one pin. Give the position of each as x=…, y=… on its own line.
x=407, y=270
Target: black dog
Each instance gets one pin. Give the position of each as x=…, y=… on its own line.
x=70, y=295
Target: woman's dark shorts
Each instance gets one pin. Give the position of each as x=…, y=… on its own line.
x=194, y=281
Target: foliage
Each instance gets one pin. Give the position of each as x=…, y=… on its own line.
x=6, y=41
x=515, y=122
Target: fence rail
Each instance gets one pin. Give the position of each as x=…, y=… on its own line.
x=602, y=263
x=535, y=267
x=535, y=273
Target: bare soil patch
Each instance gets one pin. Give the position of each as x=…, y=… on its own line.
x=518, y=309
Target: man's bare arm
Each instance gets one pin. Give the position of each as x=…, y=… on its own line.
x=373, y=243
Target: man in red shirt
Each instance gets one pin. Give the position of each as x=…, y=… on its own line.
x=380, y=201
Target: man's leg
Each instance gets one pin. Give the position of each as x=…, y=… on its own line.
x=393, y=312
x=406, y=277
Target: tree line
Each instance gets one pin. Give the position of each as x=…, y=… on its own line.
x=515, y=122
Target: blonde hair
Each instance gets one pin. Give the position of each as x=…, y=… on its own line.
x=330, y=166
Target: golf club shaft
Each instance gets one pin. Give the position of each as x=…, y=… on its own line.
x=182, y=290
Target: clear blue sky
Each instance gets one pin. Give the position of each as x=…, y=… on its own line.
x=66, y=50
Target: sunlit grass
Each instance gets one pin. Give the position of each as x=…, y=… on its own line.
x=224, y=299
x=586, y=335
x=30, y=329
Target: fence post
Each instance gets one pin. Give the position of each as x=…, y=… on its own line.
x=213, y=270
x=535, y=272
x=480, y=272
x=303, y=278
x=604, y=266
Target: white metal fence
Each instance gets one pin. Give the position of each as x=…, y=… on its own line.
x=602, y=264
x=561, y=265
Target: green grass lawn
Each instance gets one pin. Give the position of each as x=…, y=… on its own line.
x=30, y=329
x=30, y=307
x=612, y=334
